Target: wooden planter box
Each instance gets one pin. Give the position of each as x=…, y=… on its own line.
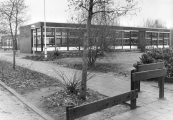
x=169, y=79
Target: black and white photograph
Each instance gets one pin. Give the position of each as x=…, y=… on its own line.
x=86, y=59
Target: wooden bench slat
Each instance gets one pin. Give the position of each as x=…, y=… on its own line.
x=87, y=109
x=138, y=76
x=151, y=66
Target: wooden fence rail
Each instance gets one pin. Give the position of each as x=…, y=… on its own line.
x=151, y=66
x=155, y=70
x=79, y=111
x=148, y=71
x=146, y=67
x=138, y=76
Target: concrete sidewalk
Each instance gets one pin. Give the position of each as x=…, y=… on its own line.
x=150, y=107
x=13, y=109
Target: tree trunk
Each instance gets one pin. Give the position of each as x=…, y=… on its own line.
x=14, y=61
x=14, y=52
x=85, y=53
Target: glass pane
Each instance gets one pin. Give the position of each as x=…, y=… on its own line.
x=166, y=35
x=154, y=42
x=58, y=41
x=134, y=41
x=38, y=30
x=64, y=33
x=126, y=34
x=58, y=37
x=49, y=33
x=38, y=40
x=126, y=42
x=154, y=35
x=161, y=35
x=134, y=34
x=160, y=42
x=58, y=33
x=148, y=35
x=64, y=40
x=51, y=41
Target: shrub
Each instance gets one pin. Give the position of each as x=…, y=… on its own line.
x=3, y=65
x=72, y=85
x=56, y=53
x=158, y=55
x=147, y=58
x=50, y=56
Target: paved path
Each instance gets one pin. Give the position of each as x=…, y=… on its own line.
x=97, y=83
x=12, y=109
x=150, y=107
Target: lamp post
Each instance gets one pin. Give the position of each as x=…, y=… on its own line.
x=33, y=28
x=45, y=47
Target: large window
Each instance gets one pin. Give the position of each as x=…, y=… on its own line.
x=73, y=38
x=148, y=38
x=58, y=40
x=7, y=42
x=64, y=40
x=61, y=37
x=154, y=38
x=126, y=34
x=49, y=31
x=49, y=41
x=166, y=38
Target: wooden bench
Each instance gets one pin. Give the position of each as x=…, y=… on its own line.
x=83, y=110
x=148, y=71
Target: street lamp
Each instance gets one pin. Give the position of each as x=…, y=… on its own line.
x=33, y=28
x=45, y=47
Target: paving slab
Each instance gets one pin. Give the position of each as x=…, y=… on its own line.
x=12, y=109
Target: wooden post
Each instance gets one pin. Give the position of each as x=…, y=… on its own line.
x=161, y=87
x=133, y=87
x=67, y=113
x=139, y=86
x=138, y=83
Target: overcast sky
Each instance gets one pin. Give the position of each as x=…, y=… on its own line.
x=57, y=11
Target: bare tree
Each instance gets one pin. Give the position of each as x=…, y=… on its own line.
x=92, y=8
x=3, y=28
x=13, y=15
x=149, y=23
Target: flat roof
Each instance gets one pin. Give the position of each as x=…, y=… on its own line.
x=72, y=25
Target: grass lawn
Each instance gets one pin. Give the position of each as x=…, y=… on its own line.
x=115, y=62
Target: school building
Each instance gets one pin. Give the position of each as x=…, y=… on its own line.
x=7, y=42
x=66, y=36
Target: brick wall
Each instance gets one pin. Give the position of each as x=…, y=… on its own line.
x=25, y=39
